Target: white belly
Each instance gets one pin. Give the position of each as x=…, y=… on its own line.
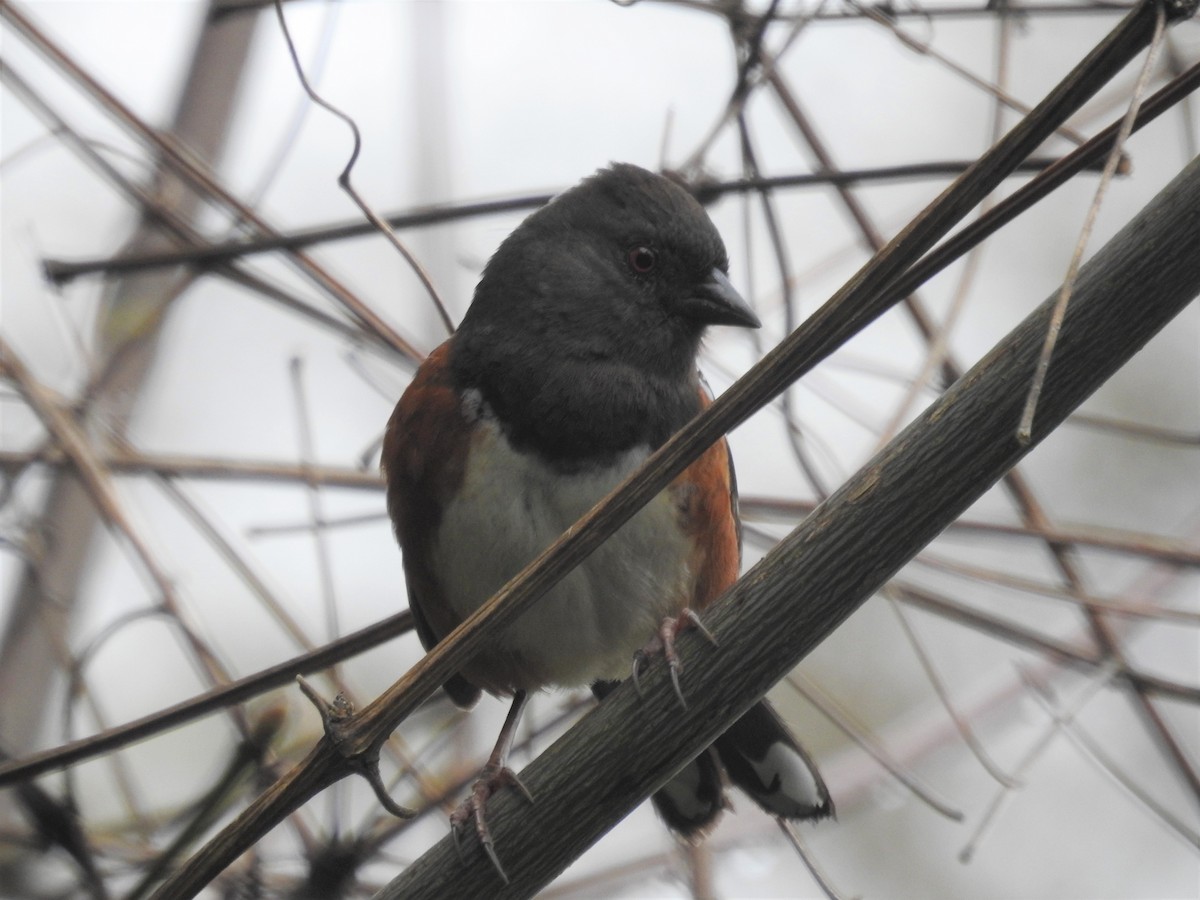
x=510, y=508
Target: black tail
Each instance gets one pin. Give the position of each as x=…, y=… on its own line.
x=765, y=761
x=760, y=757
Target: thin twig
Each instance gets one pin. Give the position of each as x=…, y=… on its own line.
x=972, y=740
x=837, y=714
x=708, y=190
x=1126, y=542
x=136, y=462
x=1095, y=753
x=1102, y=678
x=1025, y=428
x=215, y=700
x=1006, y=579
x=344, y=177
x=1055, y=648
x=997, y=92
x=792, y=833
x=316, y=511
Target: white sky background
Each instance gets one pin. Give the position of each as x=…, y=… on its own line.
x=462, y=100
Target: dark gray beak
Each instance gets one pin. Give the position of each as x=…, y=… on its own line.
x=717, y=302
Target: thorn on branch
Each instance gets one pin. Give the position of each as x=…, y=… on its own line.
x=338, y=720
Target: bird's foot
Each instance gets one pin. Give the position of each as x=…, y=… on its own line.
x=474, y=810
x=663, y=643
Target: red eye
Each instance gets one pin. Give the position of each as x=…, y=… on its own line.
x=642, y=260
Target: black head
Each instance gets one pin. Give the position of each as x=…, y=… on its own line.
x=599, y=300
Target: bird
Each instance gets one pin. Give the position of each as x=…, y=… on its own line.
x=576, y=359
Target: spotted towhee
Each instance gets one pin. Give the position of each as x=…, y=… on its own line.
x=577, y=359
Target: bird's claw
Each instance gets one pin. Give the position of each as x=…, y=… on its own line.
x=474, y=809
x=664, y=642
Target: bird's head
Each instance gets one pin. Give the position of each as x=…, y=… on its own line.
x=625, y=265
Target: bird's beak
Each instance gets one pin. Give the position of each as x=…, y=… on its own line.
x=717, y=302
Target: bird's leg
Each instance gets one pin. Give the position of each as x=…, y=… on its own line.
x=664, y=643
x=494, y=775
